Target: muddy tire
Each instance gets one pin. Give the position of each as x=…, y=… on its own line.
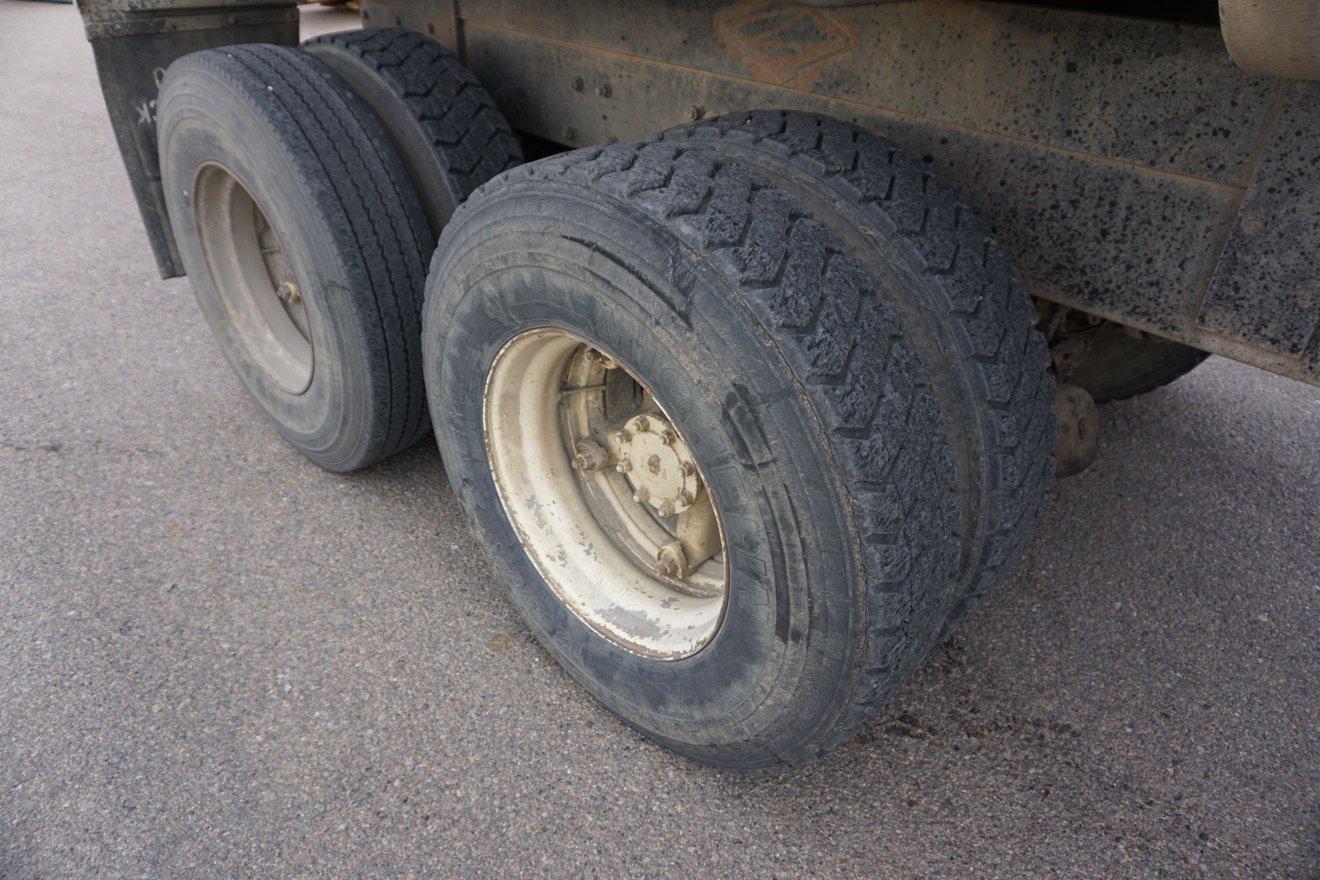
x=306, y=246
x=1116, y=364
x=441, y=121
x=809, y=400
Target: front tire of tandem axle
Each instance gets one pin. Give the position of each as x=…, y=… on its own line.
x=649, y=304
x=305, y=243
x=1079, y=430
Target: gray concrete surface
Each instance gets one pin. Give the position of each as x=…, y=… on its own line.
x=217, y=661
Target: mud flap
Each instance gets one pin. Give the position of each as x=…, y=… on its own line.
x=133, y=42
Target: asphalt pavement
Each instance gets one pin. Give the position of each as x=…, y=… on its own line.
x=218, y=661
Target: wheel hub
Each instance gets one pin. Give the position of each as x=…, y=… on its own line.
x=657, y=464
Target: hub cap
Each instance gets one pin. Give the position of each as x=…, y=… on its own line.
x=657, y=464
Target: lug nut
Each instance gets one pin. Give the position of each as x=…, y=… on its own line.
x=590, y=456
x=641, y=495
x=665, y=508
x=641, y=423
x=688, y=468
x=623, y=466
x=288, y=291
x=621, y=437
x=667, y=436
x=686, y=498
x=670, y=561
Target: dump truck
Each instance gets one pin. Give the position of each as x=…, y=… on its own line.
x=752, y=333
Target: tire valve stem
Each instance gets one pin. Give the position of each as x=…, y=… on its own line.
x=605, y=362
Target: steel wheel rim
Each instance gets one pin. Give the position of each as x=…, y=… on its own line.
x=253, y=279
x=655, y=585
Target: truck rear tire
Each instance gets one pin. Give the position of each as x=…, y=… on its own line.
x=441, y=121
x=691, y=299
x=305, y=243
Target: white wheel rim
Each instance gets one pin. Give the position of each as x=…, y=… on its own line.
x=253, y=278
x=599, y=549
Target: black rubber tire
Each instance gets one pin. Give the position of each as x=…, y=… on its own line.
x=1118, y=365
x=317, y=164
x=443, y=124
x=960, y=300
x=804, y=394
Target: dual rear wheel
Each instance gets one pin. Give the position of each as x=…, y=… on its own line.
x=834, y=343
x=747, y=415
x=306, y=205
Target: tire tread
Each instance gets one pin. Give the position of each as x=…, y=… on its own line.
x=469, y=135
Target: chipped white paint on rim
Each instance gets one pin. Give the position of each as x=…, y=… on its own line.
x=587, y=557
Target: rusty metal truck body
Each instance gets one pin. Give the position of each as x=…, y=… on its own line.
x=1129, y=167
